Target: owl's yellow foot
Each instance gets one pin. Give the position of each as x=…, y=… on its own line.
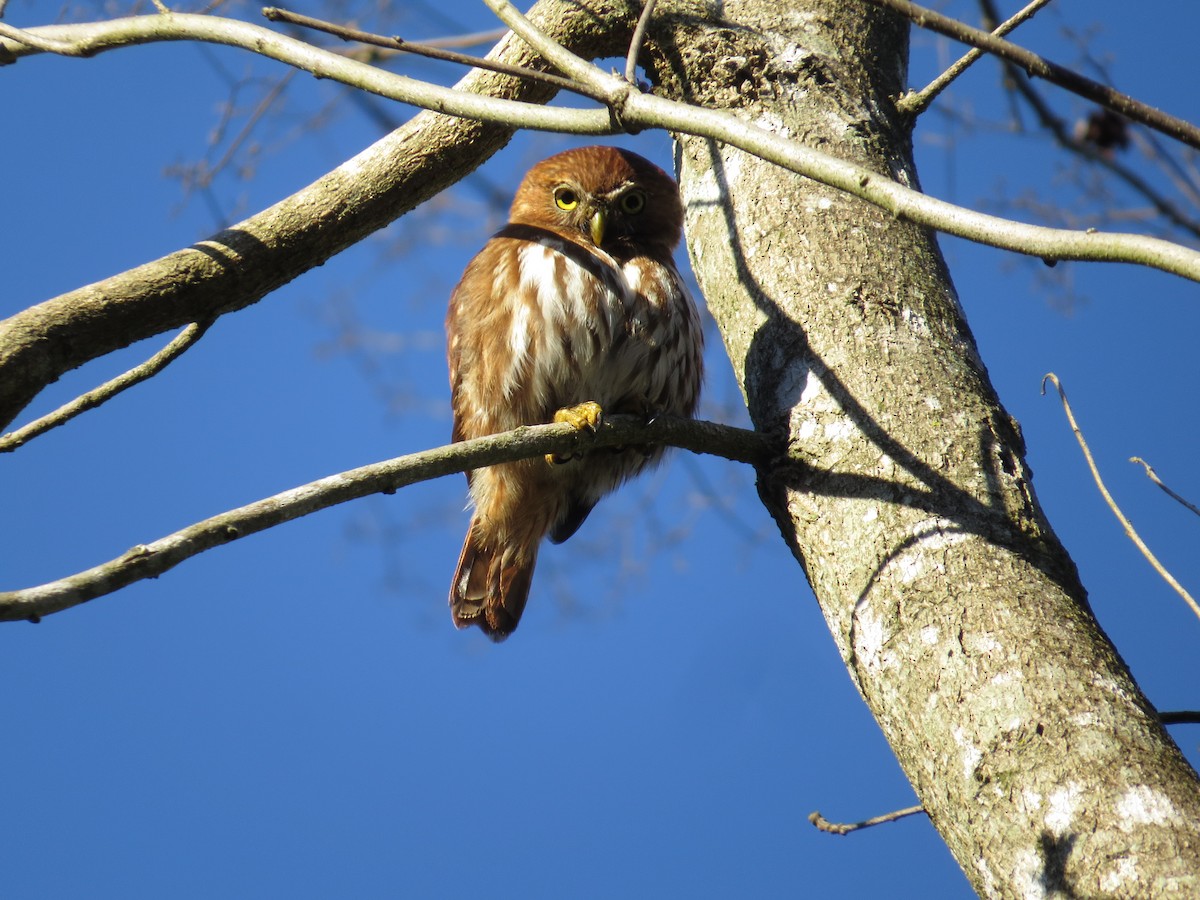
x=587, y=415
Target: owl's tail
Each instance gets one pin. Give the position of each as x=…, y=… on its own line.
x=491, y=586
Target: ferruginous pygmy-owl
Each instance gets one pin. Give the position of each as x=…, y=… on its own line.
x=573, y=308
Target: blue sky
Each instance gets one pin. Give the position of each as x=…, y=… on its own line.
x=294, y=716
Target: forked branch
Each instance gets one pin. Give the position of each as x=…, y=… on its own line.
x=183, y=342
x=917, y=102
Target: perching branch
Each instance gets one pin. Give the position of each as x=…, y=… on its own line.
x=1039, y=67
x=159, y=556
x=1130, y=532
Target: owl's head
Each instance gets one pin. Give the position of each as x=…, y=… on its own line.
x=606, y=196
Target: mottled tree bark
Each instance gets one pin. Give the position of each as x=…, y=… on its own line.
x=905, y=496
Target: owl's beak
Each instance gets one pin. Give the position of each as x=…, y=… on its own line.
x=596, y=224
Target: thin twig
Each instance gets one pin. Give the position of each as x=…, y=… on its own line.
x=105, y=392
x=471, y=39
x=275, y=14
x=635, y=43
x=1153, y=476
x=91, y=38
x=1040, y=67
x=823, y=824
x=153, y=559
x=375, y=54
x=916, y=103
x=1112, y=504
x=1184, y=178
x=1062, y=134
x=246, y=131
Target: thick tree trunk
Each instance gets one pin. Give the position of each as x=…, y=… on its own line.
x=906, y=499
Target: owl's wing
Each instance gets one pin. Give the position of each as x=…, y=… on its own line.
x=477, y=322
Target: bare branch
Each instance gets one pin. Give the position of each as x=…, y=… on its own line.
x=917, y=102
x=823, y=824
x=153, y=559
x=92, y=38
x=1039, y=67
x=1153, y=476
x=637, y=110
x=1112, y=504
x=151, y=367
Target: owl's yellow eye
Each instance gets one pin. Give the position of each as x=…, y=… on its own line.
x=565, y=198
x=633, y=202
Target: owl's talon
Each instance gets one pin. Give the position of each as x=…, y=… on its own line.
x=587, y=415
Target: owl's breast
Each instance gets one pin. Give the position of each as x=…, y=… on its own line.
x=590, y=328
